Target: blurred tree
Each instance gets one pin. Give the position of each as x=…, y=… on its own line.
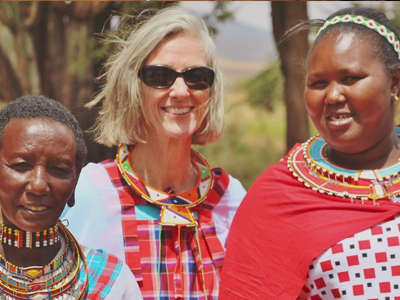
x=286, y=14
x=49, y=48
x=266, y=88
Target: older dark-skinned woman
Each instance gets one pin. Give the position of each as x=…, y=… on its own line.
x=42, y=151
x=159, y=205
x=326, y=217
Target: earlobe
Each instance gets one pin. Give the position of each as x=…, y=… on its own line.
x=71, y=201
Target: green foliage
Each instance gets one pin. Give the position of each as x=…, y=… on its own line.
x=220, y=13
x=395, y=15
x=266, y=88
x=253, y=139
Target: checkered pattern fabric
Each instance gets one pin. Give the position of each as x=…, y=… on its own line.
x=103, y=270
x=365, y=266
x=142, y=245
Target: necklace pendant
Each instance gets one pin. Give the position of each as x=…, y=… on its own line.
x=33, y=273
x=36, y=287
x=177, y=215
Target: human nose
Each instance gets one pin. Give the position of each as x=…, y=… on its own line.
x=179, y=89
x=38, y=181
x=334, y=93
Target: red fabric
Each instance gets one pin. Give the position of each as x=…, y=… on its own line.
x=280, y=227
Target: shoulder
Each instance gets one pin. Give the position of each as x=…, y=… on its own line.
x=276, y=176
x=93, y=172
x=109, y=277
x=100, y=260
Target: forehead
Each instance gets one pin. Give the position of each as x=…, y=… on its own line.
x=184, y=45
x=343, y=48
x=24, y=128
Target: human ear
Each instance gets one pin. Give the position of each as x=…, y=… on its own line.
x=71, y=200
x=395, y=81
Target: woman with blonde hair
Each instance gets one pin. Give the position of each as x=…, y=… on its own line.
x=159, y=205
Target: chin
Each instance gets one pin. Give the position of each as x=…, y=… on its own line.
x=35, y=227
x=181, y=134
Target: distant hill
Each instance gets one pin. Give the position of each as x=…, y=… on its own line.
x=243, y=51
x=241, y=42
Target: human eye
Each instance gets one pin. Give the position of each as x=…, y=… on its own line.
x=61, y=171
x=317, y=84
x=21, y=166
x=349, y=80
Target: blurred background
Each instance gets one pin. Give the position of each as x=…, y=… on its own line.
x=54, y=48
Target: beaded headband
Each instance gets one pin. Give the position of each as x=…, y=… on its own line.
x=372, y=24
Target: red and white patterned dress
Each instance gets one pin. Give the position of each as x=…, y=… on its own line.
x=282, y=226
x=365, y=266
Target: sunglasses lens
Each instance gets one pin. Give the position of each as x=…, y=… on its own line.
x=199, y=78
x=158, y=76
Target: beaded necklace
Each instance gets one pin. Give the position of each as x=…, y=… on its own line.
x=174, y=207
x=310, y=165
x=61, y=277
x=26, y=239
x=33, y=273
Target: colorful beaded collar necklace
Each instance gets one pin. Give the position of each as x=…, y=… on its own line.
x=60, y=278
x=33, y=273
x=25, y=239
x=310, y=165
x=174, y=207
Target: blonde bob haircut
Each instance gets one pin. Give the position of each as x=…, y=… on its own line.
x=121, y=114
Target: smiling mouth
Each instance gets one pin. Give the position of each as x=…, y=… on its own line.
x=177, y=111
x=36, y=208
x=339, y=117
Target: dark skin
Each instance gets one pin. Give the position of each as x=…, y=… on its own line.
x=348, y=96
x=39, y=175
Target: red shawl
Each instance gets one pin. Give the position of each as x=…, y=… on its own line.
x=280, y=227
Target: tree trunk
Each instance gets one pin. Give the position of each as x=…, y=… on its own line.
x=292, y=53
x=50, y=48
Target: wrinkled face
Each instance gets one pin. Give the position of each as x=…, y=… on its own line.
x=178, y=111
x=348, y=93
x=37, y=171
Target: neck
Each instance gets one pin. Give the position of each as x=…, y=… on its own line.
x=168, y=167
x=24, y=249
x=25, y=257
x=381, y=155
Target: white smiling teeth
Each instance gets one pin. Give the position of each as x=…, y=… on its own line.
x=334, y=118
x=177, y=111
x=35, y=208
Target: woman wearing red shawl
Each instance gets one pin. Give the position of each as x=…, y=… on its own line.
x=326, y=217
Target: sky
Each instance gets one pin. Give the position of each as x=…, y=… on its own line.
x=257, y=13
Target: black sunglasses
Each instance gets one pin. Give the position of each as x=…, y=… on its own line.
x=159, y=77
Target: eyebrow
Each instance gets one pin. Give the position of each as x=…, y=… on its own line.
x=342, y=71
